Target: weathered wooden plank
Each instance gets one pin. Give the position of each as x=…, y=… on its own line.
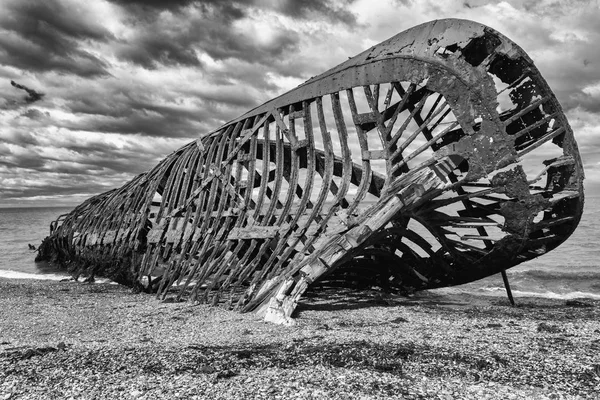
x=254, y=232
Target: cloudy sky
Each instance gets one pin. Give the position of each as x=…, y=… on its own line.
x=95, y=92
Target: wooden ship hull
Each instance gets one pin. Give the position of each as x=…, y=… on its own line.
x=435, y=158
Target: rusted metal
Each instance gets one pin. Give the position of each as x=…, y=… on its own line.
x=435, y=158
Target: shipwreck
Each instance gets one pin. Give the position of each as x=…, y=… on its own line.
x=435, y=158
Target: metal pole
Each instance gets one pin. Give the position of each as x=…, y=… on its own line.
x=507, y=287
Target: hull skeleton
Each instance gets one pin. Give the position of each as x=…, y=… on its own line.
x=437, y=157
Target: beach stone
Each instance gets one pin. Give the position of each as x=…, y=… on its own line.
x=577, y=303
x=544, y=327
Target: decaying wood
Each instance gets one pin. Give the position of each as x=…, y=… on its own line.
x=435, y=158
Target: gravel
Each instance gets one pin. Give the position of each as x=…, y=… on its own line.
x=61, y=340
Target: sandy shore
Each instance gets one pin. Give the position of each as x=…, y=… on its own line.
x=94, y=341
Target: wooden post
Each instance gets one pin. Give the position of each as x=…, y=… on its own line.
x=507, y=287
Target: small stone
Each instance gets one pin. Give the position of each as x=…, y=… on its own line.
x=207, y=369
x=544, y=327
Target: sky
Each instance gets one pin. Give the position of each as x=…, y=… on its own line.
x=93, y=93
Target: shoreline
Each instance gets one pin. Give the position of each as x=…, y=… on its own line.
x=70, y=339
x=495, y=292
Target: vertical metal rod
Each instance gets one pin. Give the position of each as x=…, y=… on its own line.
x=507, y=287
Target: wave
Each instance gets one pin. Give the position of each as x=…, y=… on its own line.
x=547, y=294
x=26, y=275
x=500, y=292
x=8, y=274
x=582, y=273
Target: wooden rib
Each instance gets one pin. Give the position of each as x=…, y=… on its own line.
x=216, y=260
x=172, y=200
x=434, y=106
x=375, y=97
x=416, y=133
x=240, y=274
x=232, y=202
x=327, y=175
x=516, y=81
x=399, y=108
x=388, y=97
x=541, y=122
x=285, y=257
x=366, y=177
x=422, y=148
x=250, y=269
x=402, y=128
x=167, y=189
x=343, y=135
x=189, y=245
x=208, y=255
x=467, y=246
x=526, y=110
x=432, y=142
x=285, y=214
x=235, y=259
x=542, y=140
x=204, y=208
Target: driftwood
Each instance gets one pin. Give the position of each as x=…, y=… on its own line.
x=435, y=158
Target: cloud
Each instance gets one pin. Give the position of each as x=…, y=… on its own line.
x=312, y=8
x=51, y=36
x=170, y=39
x=154, y=4
x=558, y=36
x=128, y=82
x=35, y=114
x=236, y=9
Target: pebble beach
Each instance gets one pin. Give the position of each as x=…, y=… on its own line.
x=72, y=340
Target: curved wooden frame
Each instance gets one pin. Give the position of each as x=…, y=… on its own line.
x=424, y=153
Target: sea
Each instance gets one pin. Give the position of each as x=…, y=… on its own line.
x=570, y=271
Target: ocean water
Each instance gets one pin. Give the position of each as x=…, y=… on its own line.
x=570, y=271
x=20, y=227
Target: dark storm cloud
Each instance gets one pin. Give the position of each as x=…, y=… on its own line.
x=154, y=4
x=207, y=27
x=317, y=8
x=147, y=119
x=222, y=47
x=239, y=71
x=47, y=35
x=35, y=114
x=54, y=189
x=211, y=32
x=585, y=101
x=29, y=160
x=127, y=110
x=235, y=9
x=126, y=104
x=146, y=125
x=231, y=98
x=154, y=48
x=576, y=82
x=84, y=160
